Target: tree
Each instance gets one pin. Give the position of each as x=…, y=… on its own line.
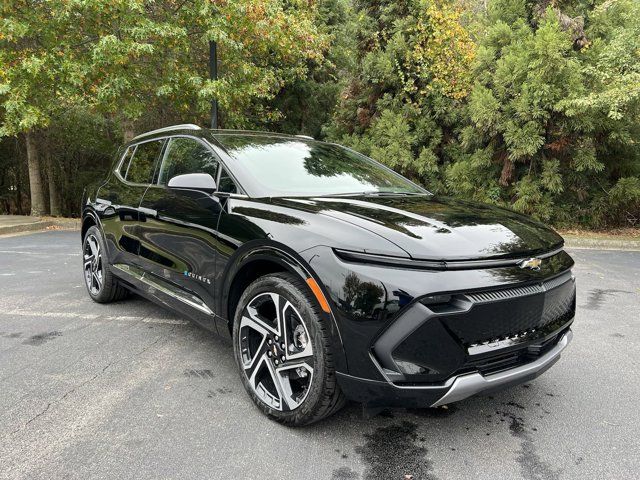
x=155, y=56
x=553, y=111
x=610, y=105
x=35, y=78
x=411, y=77
x=308, y=103
x=126, y=58
x=529, y=104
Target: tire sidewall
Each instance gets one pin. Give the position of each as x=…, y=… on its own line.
x=104, y=292
x=307, y=309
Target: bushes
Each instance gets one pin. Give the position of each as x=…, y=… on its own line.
x=549, y=125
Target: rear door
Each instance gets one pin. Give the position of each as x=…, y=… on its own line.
x=120, y=200
x=179, y=238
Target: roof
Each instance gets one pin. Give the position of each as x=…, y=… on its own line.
x=217, y=132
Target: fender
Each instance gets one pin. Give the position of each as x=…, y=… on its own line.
x=87, y=207
x=89, y=212
x=286, y=257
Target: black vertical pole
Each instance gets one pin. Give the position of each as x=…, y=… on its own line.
x=213, y=72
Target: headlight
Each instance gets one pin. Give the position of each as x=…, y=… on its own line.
x=399, y=262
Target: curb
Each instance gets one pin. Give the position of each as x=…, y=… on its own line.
x=26, y=227
x=605, y=243
x=41, y=226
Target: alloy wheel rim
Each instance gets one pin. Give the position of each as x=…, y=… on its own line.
x=276, y=351
x=92, y=257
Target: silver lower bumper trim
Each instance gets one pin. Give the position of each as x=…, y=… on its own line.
x=467, y=385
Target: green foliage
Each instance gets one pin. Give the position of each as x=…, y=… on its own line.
x=532, y=105
x=560, y=120
x=624, y=199
x=307, y=104
x=125, y=57
x=410, y=77
x=549, y=126
x=141, y=64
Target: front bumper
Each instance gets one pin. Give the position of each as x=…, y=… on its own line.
x=409, y=334
x=385, y=394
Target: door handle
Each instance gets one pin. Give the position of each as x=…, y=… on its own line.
x=148, y=212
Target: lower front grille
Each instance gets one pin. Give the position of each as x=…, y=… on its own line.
x=488, y=364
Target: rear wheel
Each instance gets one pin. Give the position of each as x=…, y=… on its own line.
x=281, y=345
x=100, y=282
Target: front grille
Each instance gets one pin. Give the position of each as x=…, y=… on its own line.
x=559, y=304
x=492, y=296
x=556, y=282
x=480, y=331
x=496, y=363
x=504, y=294
x=501, y=314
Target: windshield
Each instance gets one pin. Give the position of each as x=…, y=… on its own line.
x=289, y=166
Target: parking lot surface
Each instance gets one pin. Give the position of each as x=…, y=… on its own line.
x=130, y=391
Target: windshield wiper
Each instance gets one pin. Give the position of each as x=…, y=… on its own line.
x=383, y=194
x=372, y=193
x=347, y=194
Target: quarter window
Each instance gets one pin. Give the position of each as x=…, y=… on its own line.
x=126, y=158
x=227, y=184
x=185, y=155
x=144, y=159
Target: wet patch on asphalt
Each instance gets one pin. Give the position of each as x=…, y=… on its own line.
x=204, y=374
x=39, y=339
x=344, y=455
x=344, y=473
x=12, y=335
x=394, y=452
x=597, y=297
x=219, y=391
x=532, y=466
x=514, y=404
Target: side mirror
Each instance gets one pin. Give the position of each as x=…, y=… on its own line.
x=194, y=181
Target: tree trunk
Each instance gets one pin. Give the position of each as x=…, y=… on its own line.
x=35, y=180
x=54, y=188
x=127, y=130
x=507, y=170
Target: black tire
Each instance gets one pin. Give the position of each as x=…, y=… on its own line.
x=101, y=284
x=322, y=396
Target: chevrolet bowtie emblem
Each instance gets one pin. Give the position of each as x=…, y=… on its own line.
x=531, y=263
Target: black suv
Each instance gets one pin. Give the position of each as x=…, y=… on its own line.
x=334, y=277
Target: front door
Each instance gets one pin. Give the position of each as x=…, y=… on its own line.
x=179, y=236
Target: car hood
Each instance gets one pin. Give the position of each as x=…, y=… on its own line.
x=437, y=228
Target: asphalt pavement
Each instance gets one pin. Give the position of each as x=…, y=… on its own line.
x=130, y=391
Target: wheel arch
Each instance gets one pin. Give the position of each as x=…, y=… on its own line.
x=89, y=219
x=251, y=262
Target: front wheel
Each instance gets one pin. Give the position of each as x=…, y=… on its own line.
x=281, y=345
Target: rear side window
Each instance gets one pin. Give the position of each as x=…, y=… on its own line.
x=186, y=155
x=143, y=161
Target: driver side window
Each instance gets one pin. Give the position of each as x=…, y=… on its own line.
x=186, y=155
